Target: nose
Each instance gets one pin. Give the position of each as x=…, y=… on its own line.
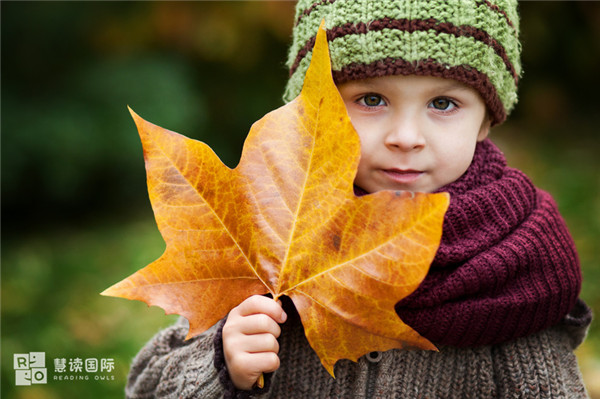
x=405, y=134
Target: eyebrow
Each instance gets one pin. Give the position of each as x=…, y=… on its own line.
x=456, y=86
x=367, y=83
x=371, y=83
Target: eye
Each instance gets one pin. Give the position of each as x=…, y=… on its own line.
x=442, y=104
x=371, y=100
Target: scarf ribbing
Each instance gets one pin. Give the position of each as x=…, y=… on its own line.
x=506, y=266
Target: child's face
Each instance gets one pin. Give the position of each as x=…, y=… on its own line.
x=417, y=133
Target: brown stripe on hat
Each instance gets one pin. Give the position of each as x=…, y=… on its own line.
x=390, y=66
x=310, y=9
x=410, y=26
x=494, y=7
x=491, y=6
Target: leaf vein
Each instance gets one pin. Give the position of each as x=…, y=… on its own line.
x=369, y=252
x=181, y=172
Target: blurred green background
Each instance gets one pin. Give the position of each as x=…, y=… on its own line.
x=75, y=212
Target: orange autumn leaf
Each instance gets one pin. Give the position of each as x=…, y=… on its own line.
x=286, y=221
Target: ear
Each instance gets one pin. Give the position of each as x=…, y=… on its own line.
x=484, y=130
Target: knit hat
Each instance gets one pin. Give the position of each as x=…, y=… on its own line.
x=475, y=42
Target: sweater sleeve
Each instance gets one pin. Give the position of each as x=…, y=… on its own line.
x=170, y=367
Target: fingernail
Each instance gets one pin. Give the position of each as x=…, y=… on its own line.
x=283, y=317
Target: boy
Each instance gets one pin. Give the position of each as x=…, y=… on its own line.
x=423, y=82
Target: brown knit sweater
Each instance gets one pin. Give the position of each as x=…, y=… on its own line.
x=542, y=365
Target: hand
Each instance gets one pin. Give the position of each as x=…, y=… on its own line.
x=250, y=340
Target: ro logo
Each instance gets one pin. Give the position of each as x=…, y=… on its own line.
x=30, y=368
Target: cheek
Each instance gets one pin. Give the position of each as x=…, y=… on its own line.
x=454, y=157
x=459, y=159
x=457, y=144
x=368, y=148
x=366, y=139
x=367, y=151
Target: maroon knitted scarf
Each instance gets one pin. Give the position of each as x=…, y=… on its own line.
x=506, y=266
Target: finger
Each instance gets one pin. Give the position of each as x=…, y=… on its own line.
x=256, y=343
x=263, y=362
x=245, y=368
x=262, y=304
x=259, y=324
x=263, y=343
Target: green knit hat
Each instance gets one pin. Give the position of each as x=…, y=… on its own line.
x=475, y=42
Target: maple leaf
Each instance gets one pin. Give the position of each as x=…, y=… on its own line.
x=286, y=221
